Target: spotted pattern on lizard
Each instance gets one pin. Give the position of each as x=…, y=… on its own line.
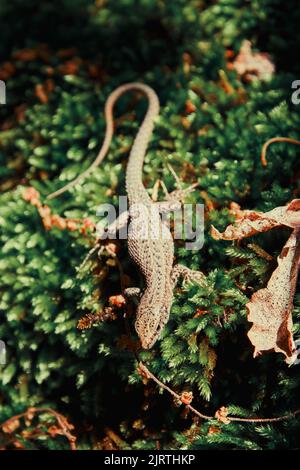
x=150, y=242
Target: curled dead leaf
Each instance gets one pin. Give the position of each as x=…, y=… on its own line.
x=7, y=70
x=253, y=65
x=117, y=300
x=138, y=424
x=10, y=426
x=41, y=93
x=31, y=195
x=186, y=398
x=190, y=107
x=251, y=222
x=71, y=225
x=221, y=415
x=214, y=430
x=270, y=309
x=53, y=431
x=59, y=222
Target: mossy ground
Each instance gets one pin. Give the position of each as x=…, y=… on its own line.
x=76, y=53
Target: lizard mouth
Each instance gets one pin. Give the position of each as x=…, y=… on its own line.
x=147, y=344
x=148, y=341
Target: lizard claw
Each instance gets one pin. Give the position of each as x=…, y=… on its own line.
x=132, y=292
x=295, y=359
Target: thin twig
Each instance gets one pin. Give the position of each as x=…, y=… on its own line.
x=149, y=375
x=65, y=426
x=271, y=141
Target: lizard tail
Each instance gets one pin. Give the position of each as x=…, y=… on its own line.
x=113, y=97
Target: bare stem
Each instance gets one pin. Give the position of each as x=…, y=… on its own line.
x=149, y=375
x=64, y=425
x=271, y=141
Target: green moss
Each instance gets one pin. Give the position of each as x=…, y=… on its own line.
x=42, y=296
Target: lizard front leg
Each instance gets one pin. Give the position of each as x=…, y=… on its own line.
x=111, y=230
x=133, y=292
x=174, y=200
x=104, y=233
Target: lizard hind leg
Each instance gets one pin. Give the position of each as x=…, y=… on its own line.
x=295, y=359
x=187, y=274
x=178, y=195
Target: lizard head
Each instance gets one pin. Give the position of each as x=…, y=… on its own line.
x=149, y=323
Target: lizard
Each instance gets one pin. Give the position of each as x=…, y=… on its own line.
x=150, y=243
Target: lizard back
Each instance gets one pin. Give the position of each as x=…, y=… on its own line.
x=150, y=243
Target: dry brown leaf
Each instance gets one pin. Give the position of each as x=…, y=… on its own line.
x=10, y=426
x=53, y=431
x=26, y=55
x=252, y=222
x=117, y=300
x=270, y=309
x=31, y=195
x=7, y=70
x=221, y=415
x=253, y=65
x=214, y=430
x=59, y=222
x=186, y=397
x=41, y=93
x=190, y=107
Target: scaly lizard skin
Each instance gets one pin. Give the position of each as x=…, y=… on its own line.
x=150, y=243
